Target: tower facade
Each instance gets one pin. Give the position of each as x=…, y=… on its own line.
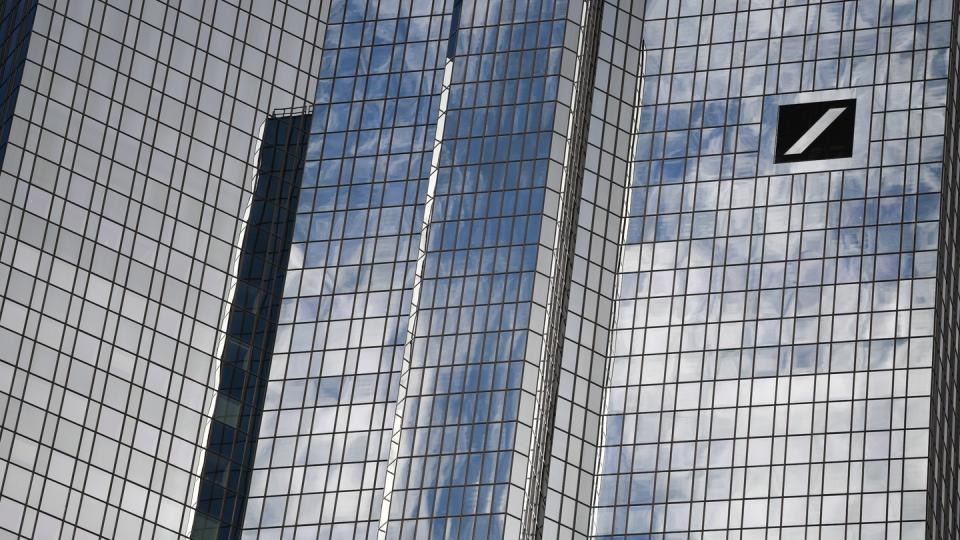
x=771, y=371
x=725, y=323
x=131, y=131
x=581, y=269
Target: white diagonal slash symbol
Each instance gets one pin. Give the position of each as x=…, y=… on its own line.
x=815, y=131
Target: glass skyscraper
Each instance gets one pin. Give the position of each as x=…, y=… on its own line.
x=131, y=133
x=403, y=269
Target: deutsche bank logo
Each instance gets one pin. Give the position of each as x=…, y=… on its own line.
x=814, y=131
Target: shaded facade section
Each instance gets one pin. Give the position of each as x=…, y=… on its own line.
x=942, y=482
x=16, y=22
x=252, y=329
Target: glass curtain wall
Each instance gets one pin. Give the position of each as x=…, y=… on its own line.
x=771, y=371
x=324, y=439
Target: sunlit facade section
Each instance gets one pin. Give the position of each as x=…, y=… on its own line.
x=128, y=138
x=770, y=375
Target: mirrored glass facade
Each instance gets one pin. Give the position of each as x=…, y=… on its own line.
x=771, y=370
x=128, y=170
x=324, y=440
x=621, y=269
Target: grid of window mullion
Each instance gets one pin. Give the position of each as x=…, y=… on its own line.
x=330, y=403
x=572, y=461
x=127, y=422
x=483, y=148
x=884, y=268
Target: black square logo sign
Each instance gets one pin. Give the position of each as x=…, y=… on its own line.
x=812, y=131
